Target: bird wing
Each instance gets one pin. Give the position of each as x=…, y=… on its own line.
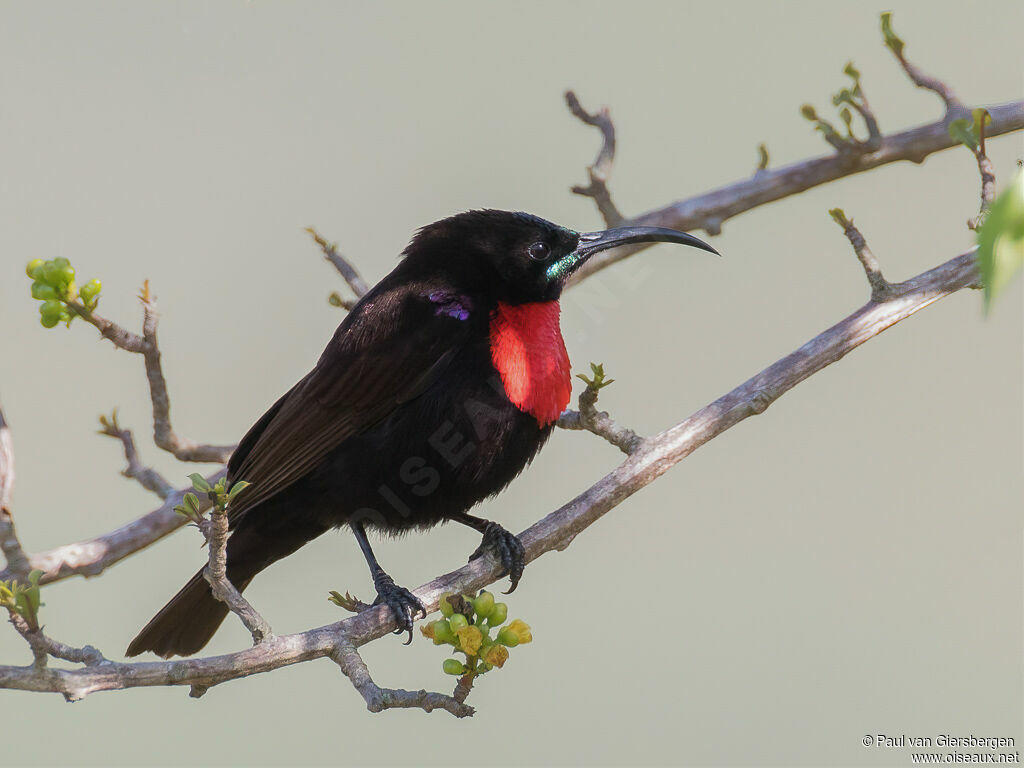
x=389, y=350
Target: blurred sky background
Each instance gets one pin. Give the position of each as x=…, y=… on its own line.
x=848, y=563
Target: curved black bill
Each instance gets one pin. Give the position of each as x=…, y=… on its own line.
x=592, y=242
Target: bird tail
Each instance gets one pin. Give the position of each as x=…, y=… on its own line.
x=188, y=621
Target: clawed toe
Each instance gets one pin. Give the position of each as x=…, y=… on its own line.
x=404, y=605
x=507, y=548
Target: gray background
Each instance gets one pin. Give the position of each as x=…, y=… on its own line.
x=848, y=563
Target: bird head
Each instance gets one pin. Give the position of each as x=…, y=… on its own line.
x=517, y=257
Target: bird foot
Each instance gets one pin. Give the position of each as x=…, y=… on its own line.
x=507, y=549
x=404, y=605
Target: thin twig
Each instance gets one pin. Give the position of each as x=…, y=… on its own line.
x=881, y=289
x=378, y=699
x=146, y=345
x=344, y=267
x=164, y=435
x=222, y=588
x=147, y=477
x=601, y=170
x=656, y=456
x=988, y=177
x=10, y=544
x=600, y=423
x=923, y=80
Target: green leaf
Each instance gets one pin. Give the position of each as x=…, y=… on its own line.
x=1001, y=240
x=808, y=112
x=962, y=132
x=851, y=71
x=843, y=97
x=892, y=40
x=199, y=483
x=236, y=488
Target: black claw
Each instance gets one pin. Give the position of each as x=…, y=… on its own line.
x=507, y=548
x=404, y=605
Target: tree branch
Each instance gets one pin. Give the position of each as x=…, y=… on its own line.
x=146, y=345
x=147, y=477
x=709, y=210
x=599, y=423
x=17, y=560
x=92, y=556
x=216, y=574
x=345, y=268
x=654, y=456
x=600, y=171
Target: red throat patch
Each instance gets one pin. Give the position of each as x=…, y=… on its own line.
x=529, y=353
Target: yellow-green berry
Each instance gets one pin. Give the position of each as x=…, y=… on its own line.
x=457, y=622
x=484, y=604
x=498, y=615
x=443, y=632
x=453, y=667
x=32, y=266
x=508, y=638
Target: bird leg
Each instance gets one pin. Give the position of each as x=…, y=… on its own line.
x=404, y=605
x=505, y=546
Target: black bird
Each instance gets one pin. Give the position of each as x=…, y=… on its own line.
x=436, y=390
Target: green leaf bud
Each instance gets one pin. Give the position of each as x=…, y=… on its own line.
x=90, y=290
x=457, y=622
x=42, y=291
x=199, y=483
x=32, y=266
x=49, y=322
x=51, y=309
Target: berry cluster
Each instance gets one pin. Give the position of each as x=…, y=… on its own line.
x=53, y=283
x=467, y=626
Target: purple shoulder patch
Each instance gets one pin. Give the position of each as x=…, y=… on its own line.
x=451, y=304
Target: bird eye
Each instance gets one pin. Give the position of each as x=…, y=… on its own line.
x=539, y=251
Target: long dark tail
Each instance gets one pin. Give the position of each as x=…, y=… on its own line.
x=187, y=622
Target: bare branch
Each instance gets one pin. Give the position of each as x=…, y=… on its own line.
x=147, y=477
x=601, y=170
x=881, y=289
x=92, y=556
x=344, y=267
x=164, y=435
x=216, y=573
x=599, y=423
x=378, y=699
x=17, y=560
x=987, y=172
x=655, y=456
x=919, y=78
x=709, y=210
x=146, y=345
